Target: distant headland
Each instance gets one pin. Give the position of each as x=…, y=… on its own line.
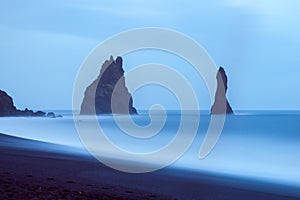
x=7, y=108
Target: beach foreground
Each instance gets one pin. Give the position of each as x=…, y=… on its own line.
x=44, y=173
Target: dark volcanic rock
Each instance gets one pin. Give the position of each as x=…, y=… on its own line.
x=51, y=115
x=98, y=95
x=7, y=108
x=221, y=105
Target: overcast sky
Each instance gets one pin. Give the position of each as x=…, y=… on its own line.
x=43, y=43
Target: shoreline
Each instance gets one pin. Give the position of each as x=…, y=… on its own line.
x=29, y=173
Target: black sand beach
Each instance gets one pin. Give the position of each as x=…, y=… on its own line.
x=32, y=173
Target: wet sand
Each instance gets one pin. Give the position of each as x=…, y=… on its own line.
x=42, y=173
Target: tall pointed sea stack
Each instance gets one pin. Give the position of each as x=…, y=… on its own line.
x=100, y=97
x=221, y=105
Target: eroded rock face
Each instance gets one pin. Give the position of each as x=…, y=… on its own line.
x=102, y=95
x=221, y=105
x=7, y=108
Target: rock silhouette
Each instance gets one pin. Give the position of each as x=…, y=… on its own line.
x=7, y=108
x=108, y=93
x=221, y=105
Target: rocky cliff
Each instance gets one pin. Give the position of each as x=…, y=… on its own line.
x=221, y=105
x=98, y=96
x=7, y=108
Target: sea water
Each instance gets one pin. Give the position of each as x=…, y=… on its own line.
x=262, y=145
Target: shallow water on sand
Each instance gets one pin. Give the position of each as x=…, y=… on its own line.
x=258, y=145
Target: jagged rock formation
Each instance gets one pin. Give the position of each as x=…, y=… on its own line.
x=7, y=108
x=221, y=105
x=98, y=96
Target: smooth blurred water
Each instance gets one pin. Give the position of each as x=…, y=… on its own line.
x=262, y=145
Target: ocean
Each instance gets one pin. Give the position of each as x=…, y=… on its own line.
x=260, y=145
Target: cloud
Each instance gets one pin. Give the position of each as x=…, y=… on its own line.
x=132, y=8
x=50, y=59
x=128, y=12
x=276, y=16
x=42, y=36
x=273, y=7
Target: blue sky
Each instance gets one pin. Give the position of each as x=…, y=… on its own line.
x=43, y=43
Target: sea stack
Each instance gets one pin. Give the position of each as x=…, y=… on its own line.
x=221, y=105
x=102, y=96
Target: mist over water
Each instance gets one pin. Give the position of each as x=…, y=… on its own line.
x=259, y=145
